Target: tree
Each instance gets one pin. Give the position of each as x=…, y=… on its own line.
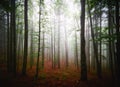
x=66, y=47
x=76, y=43
x=76, y=50
x=12, y=39
x=8, y=37
x=25, y=37
x=39, y=36
x=59, y=38
x=14, y=36
x=83, y=55
x=52, y=46
x=94, y=43
x=100, y=47
x=31, y=49
x=43, y=48
x=118, y=39
x=110, y=42
x=54, y=63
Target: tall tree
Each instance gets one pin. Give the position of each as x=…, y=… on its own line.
x=58, y=37
x=66, y=46
x=83, y=55
x=43, y=48
x=54, y=46
x=76, y=44
x=94, y=43
x=25, y=37
x=8, y=41
x=88, y=45
x=110, y=33
x=100, y=47
x=76, y=50
x=39, y=36
x=13, y=38
x=117, y=6
x=31, y=48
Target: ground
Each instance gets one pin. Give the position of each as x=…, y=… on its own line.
x=53, y=78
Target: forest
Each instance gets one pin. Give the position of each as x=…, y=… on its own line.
x=59, y=43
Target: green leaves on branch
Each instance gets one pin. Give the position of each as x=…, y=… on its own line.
x=104, y=35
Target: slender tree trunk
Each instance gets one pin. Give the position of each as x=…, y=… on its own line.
x=66, y=47
x=94, y=44
x=18, y=45
x=50, y=50
x=5, y=50
x=31, y=48
x=51, y=43
x=37, y=64
x=76, y=45
x=21, y=45
x=11, y=40
x=110, y=43
x=54, y=63
x=25, y=37
x=8, y=43
x=59, y=40
x=76, y=50
x=100, y=37
x=52, y=47
x=88, y=47
x=43, y=47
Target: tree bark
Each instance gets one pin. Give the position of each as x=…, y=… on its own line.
x=94, y=44
x=110, y=43
x=118, y=40
x=25, y=37
x=37, y=64
x=83, y=55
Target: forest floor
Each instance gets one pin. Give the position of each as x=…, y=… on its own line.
x=53, y=78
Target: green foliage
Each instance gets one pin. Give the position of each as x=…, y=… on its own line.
x=104, y=35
